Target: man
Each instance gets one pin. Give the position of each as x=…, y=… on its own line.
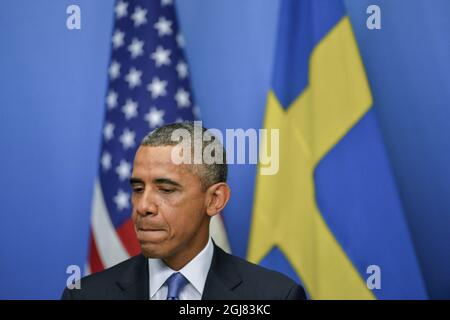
x=173, y=203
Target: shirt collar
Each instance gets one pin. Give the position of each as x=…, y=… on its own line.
x=195, y=271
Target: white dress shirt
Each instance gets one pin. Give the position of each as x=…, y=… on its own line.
x=195, y=272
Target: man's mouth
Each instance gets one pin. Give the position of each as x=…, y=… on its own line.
x=151, y=235
x=150, y=229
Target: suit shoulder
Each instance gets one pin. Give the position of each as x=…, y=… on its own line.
x=112, y=273
x=103, y=283
x=269, y=283
x=247, y=268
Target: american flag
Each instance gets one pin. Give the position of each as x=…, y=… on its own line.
x=148, y=87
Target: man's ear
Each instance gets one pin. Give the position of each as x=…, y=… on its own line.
x=217, y=197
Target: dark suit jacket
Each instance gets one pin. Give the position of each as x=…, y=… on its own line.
x=229, y=278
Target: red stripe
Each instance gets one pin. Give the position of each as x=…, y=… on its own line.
x=95, y=263
x=128, y=237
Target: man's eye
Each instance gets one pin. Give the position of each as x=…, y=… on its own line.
x=137, y=190
x=166, y=190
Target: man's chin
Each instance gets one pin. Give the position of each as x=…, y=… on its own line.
x=153, y=251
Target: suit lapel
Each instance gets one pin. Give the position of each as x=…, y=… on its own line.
x=222, y=278
x=134, y=283
x=220, y=283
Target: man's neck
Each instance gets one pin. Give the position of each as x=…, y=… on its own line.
x=186, y=254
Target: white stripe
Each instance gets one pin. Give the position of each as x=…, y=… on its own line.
x=87, y=269
x=109, y=245
x=218, y=233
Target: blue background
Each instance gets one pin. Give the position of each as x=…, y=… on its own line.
x=52, y=88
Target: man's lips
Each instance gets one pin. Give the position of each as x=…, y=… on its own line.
x=151, y=235
x=150, y=229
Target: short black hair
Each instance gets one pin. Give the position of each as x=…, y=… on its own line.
x=209, y=174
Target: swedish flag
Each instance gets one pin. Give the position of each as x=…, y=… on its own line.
x=331, y=214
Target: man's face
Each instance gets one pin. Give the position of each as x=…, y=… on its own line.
x=168, y=203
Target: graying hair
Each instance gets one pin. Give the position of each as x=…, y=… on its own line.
x=209, y=174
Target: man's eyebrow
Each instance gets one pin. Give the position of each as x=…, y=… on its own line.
x=136, y=180
x=166, y=181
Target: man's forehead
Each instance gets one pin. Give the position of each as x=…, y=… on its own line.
x=157, y=158
x=154, y=152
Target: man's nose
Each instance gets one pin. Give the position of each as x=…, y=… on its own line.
x=146, y=204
